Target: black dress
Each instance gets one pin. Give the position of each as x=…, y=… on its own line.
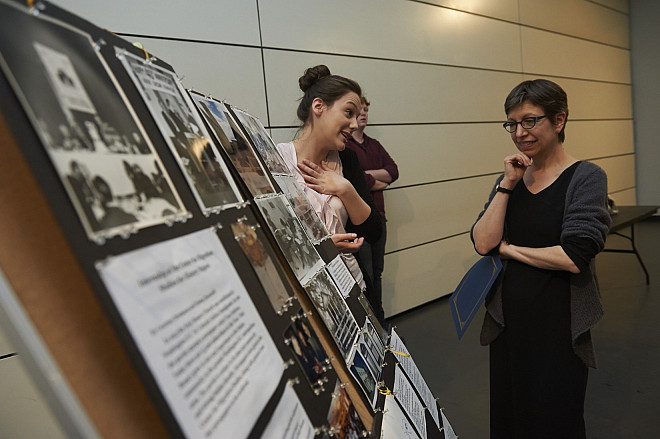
x=538, y=384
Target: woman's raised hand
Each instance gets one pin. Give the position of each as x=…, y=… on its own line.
x=514, y=169
x=322, y=179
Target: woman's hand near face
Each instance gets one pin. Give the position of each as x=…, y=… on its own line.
x=347, y=242
x=325, y=181
x=514, y=169
x=322, y=179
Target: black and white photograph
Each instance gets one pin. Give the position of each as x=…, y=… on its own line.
x=362, y=374
x=371, y=349
x=234, y=143
x=107, y=165
x=262, y=142
x=290, y=236
x=333, y=311
x=305, y=212
x=306, y=346
x=184, y=132
x=263, y=263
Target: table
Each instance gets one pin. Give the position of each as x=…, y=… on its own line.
x=628, y=216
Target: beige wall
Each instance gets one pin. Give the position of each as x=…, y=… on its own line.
x=437, y=73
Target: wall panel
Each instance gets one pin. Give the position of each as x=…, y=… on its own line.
x=225, y=21
x=428, y=153
x=429, y=212
x=597, y=138
x=617, y=5
x=620, y=172
x=595, y=100
x=282, y=135
x=421, y=274
x=625, y=197
x=501, y=9
x=551, y=54
x=401, y=30
x=581, y=18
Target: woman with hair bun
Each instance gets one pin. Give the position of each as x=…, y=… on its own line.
x=329, y=173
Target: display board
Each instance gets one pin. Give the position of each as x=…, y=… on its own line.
x=191, y=289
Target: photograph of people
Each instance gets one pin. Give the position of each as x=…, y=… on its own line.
x=329, y=173
x=547, y=218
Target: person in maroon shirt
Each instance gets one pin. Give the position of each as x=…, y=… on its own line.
x=379, y=172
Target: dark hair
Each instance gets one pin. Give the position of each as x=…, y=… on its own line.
x=546, y=94
x=365, y=101
x=318, y=82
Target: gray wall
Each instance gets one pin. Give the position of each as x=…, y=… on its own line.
x=645, y=66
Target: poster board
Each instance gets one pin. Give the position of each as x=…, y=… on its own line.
x=79, y=321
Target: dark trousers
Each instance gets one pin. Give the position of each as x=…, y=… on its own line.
x=372, y=260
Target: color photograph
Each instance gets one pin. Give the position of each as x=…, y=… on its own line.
x=234, y=143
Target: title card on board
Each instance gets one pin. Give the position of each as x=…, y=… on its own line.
x=198, y=331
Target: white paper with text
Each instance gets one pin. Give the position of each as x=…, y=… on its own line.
x=395, y=424
x=341, y=275
x=289, y=421
x=406, y=396
x=419, y=383
x=198, y=331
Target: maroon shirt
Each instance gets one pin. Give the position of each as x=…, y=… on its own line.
x=372, y=155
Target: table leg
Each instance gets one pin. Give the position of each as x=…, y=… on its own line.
x=631, y=238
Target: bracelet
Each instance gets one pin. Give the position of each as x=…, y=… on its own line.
x=504, y=190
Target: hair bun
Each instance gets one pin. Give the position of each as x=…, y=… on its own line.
x=312, y=75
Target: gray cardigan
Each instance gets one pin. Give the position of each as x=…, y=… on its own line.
x=585, y=217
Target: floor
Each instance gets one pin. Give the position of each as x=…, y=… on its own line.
x=623, y=395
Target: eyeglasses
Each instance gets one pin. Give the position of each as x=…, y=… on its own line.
x=527, y=123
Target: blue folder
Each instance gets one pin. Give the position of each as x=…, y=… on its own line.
x=472, y=290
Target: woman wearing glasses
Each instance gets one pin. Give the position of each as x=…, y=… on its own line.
x=547, y=218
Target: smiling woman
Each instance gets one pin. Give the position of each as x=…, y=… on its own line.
x=547, y=218
x=329, y=173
